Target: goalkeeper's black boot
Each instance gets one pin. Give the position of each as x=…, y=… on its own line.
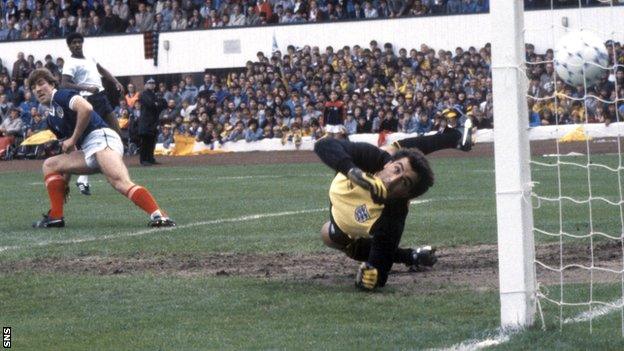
x=465, y=143
x=48, y=222
x=423, y=257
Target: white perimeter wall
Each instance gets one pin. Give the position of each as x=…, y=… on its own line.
x=194, y=51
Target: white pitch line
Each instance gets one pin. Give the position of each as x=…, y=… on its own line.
x=153, y=230
x=595, y=312
x=504, y=336
x=188, y=225
x=417, y=202
x=499, y=337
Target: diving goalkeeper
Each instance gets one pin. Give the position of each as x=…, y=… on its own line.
x=370, y=196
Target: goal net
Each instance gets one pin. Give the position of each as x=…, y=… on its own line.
x=559, y=201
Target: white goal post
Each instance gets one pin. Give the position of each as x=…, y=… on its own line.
x=516, y=249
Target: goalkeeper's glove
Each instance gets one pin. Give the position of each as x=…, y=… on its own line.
x=373, y=184
x=367, y=277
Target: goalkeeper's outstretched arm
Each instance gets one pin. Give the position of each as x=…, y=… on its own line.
x=342, y=155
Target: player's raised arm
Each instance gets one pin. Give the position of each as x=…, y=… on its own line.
x=108, y=76
x=342, y=155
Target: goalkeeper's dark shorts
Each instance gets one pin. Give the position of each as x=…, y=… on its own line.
x=357, y=249
x=336, y=234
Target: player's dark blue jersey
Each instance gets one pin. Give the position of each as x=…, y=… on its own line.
x=62, y=120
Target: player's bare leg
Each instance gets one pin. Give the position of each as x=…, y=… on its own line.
x=82, y=182
x=112, y=166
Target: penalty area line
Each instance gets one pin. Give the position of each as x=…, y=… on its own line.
x=155, y=230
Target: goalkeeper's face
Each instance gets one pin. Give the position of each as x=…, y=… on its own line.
x=399, y=178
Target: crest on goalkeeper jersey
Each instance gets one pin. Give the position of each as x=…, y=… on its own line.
x=362, y=214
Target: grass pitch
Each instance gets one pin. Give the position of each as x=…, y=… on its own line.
x=267, y=211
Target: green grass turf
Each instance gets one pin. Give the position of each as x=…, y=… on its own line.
x=68, y=311
x=149, y=313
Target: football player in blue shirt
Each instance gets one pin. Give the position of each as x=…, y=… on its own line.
x=89, y=146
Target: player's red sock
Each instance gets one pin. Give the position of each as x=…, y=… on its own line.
x=142, y=198
x=55, y=184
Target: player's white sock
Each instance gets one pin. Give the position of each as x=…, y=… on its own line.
x=155, y=214
x=83, y=179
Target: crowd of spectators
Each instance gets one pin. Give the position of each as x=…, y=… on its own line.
x=382, y=89
x=31, y=19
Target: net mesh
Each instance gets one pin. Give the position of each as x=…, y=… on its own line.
x=577, y=192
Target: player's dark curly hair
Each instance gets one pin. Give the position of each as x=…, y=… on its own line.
x=420, y=165
x=72, y=36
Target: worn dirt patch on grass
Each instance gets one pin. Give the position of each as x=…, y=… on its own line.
x=473, y=267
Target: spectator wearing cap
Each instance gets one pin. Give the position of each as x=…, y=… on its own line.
x=12, y=126
x=151, y=106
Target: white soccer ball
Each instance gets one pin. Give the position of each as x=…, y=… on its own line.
x=581, y=54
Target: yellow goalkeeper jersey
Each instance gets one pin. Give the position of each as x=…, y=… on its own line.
x=352, y=207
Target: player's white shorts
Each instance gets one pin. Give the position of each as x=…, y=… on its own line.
x=99, y=140
x=334, y=128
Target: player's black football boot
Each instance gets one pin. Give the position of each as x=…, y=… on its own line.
x=84, y=188
x=48, y=222
x=160, y=222
x=423, y=257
